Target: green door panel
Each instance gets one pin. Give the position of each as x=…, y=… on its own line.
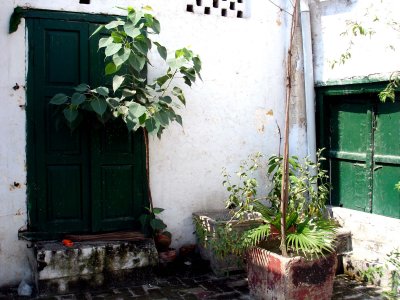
x=349, y=127
x=90, y=179
x=363, y=140
x=349, y=137
x=387, y=132
x=117, y=177
x=350, y=184
x=61, y=174
x=386, y=200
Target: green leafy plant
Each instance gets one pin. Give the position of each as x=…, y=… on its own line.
x=309, y=231
x=393, y=262
x=139, y=104
x=243, y=193
x=152, y=221
x=371, y=274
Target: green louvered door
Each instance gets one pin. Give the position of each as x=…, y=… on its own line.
x=88, y=180
x=364, y=153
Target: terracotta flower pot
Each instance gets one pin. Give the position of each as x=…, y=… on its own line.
x=273, y=276
x=167, y=256
x=162, y=241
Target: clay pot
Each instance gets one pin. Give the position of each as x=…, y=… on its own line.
x=167, y=256
x=163, y=241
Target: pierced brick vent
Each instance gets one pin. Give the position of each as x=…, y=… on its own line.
x=224, y=8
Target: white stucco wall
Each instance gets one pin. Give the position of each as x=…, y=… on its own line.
x=371, y=57
x=229, y=115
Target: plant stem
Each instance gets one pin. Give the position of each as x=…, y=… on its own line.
x=146, y=144
x=285, y=161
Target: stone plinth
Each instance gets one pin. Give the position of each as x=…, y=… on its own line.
x=87, y=265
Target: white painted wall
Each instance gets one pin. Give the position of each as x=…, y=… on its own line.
x=371, y=57
x=229, y=115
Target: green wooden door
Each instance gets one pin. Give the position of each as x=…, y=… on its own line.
x=386, y=171
x=364, y=154
x=88, y=180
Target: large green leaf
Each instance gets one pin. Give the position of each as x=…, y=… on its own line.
x=114, y=24
x=162, y=118
x=104, y=42
x=99, y=105
x=179, y=119
x=166, y=99
x=78, y=98
x=152, y=126
x=130, y=122
x=102, y=90
x=121, y=56
x=131, y=30
x=117, y=81
x=157, y=210
x=161, y=50
x=59, y=99
x=196, y=64
x=70, y=114
x=83, y=87
x=141, y=45
x=135, y=16
x=137, y=61
x=157, y=224
x=98, y=29
x=112, y=49
x=179, y=93
x=163, y=79
x=111, y=68
x=136, y=110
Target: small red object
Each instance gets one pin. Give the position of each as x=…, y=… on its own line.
x=68, y=243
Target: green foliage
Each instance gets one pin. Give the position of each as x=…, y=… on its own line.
x=224, y=240
x=393, y=262
x=243, y=194
x=150, y=220
x=139, y=104
x=309, y=231
x=371, y=274
x=388, y=93
x=353, y=30
x=15, y=19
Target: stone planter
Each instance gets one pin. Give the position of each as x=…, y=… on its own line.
x=207, y=225
x=272, y=276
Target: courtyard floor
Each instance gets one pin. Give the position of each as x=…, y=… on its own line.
x=189, y=282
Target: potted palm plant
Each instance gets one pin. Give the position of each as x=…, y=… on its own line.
x=307, y=269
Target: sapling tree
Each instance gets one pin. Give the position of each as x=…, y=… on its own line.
x=150, y=106
x=140, y=104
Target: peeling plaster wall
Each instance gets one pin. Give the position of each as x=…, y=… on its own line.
x=371, y=57
x=228, y=116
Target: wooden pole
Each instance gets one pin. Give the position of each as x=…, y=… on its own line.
x=285, y=161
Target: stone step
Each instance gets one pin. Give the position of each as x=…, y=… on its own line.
x=88, y=265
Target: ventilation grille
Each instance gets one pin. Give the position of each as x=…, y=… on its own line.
x=223, y=8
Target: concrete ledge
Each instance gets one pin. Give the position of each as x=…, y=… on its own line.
x=63, y=269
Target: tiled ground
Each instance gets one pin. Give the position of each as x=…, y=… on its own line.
x=198, y=283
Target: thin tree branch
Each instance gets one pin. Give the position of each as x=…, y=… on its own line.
x=146, y=144
x=280, y=8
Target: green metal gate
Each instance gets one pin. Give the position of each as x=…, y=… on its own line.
x=91, y=179
x=362, y=137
